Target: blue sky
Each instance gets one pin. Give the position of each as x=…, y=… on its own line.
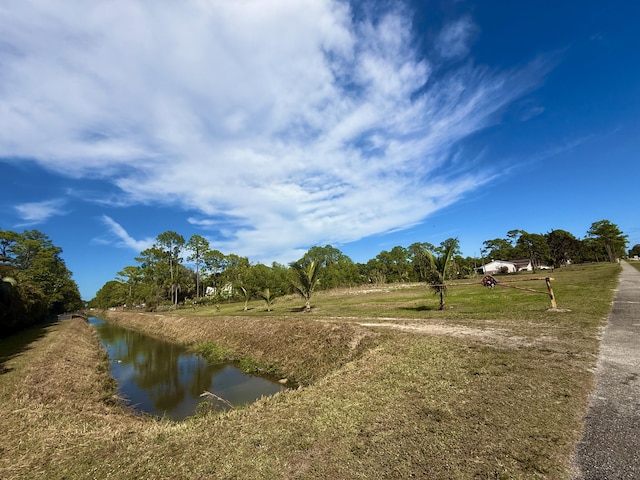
x=271, y=126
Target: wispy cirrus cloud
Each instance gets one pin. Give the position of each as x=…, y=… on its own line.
x=124, y=240
x=454, y=40
x=298, y=120
x=34, y=213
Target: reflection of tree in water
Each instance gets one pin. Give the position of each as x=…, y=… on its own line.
x=164, y=370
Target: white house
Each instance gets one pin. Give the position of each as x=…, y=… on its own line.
x=522, y=264
x=226, y=291
x=497, y=266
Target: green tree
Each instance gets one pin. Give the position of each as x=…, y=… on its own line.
x=132, y=276
x=373, y=272
x=337, y=269
x=564, y=248
x=420, y=260
x=534, y=247
x=280, y=279
x=591, y=250
x=440, y=263
x=635, y=250
x=610, y=238
x=262, y=282
x=112, y=294
x=187, y=281
x=464, y=267
x=32, y=307
x=198, y=247
x=7, y=239
x=236, y=269
x=395, y=264
x=498, y=249
x=306, y=277
x=251, y=281
x=39, y=262
x=214, y=263
x=154, y=270
x=172, y=244
x=36, y=281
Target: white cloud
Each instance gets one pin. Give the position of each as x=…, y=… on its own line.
x=124, y=239
x=38, y=212
x=454, y=39
x=294, y=120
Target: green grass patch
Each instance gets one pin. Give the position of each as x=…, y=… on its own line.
x=215, y=353
x=635, y=264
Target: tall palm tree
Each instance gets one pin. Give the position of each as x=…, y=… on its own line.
x=440, y=266
x=306, y=280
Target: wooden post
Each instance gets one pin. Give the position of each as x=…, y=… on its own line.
x=553, y=298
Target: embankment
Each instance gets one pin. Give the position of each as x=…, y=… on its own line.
x=301, y=350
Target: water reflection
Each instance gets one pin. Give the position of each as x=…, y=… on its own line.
x=163, y=378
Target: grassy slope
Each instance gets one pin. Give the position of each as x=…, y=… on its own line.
x=493, y=387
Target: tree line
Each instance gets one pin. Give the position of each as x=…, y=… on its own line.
x=175, y=271
x=34, y=280
x=604, y=242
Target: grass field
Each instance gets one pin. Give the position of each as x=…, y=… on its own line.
x=635, y=263
x=493, y=387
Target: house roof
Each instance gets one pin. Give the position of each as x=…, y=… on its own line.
x=521, y=262
x=501, y=262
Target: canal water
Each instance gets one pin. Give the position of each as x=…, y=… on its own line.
x=164, y=379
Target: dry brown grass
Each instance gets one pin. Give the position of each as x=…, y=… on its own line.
x=57, y=400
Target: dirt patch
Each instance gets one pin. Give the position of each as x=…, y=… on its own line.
x=492, y=336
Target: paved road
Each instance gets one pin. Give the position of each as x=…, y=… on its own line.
x=610, y=447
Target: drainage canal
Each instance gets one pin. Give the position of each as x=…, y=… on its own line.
x=164, y=379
